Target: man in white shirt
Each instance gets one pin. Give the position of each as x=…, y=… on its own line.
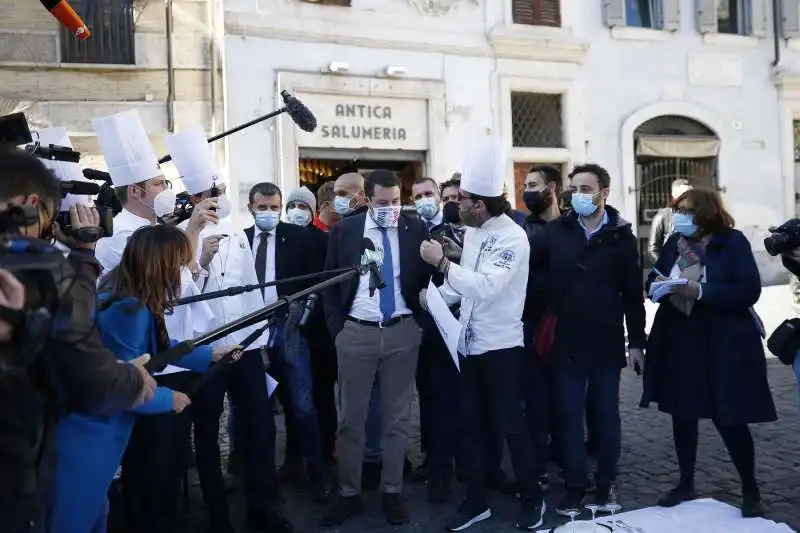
x=375, y=332
x=490, y=283
x=225, y=261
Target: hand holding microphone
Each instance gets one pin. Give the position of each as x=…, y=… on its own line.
x=371, y=259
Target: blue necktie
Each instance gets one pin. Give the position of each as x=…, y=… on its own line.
x=387, y=273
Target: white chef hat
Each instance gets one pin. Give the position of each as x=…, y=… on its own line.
x=194, y=159
x=126, y=147
x=485, y=165
x=63, y=170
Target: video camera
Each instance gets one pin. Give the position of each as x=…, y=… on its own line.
x=15, y=133
x=784, y=238
x=184, y=208
x=47, y=277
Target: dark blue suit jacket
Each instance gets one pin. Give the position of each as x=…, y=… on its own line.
x=345, y=248
x=293, y=256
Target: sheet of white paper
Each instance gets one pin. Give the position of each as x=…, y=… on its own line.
x=448, y=325
x=272, y=384
x=659, y=289
x=170, y=370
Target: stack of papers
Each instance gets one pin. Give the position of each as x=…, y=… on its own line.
x=659, y=289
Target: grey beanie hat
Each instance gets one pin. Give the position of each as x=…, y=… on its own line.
x=304, y=195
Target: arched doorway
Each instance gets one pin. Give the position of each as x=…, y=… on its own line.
x=667, y=148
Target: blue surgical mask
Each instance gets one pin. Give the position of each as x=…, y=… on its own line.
x=267, y=220
x=583, y=203
x=684, y=224
x=342, y=205
x=427, y=207
x=298, y=216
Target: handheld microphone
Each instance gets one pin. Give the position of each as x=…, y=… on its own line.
x=67, y=16
x=78, y=187
x=375, y=279
x=301, y=115
x=308, y=308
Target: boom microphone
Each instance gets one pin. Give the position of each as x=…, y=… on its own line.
x=67, y=16
x=96, y=175
x=79, y=187
x=301, y=115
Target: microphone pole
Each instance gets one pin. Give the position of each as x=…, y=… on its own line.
x=235, y=291
x=183, y=348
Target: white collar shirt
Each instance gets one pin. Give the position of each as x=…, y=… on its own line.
x=366, y=307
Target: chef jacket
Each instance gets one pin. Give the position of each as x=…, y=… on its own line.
x=490, y=283
x=108, y=250
x=232, y=266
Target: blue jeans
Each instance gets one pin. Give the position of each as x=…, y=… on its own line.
x=373, y=448
x=601, y=383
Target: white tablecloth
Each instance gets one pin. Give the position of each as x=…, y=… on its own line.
x=698, y=516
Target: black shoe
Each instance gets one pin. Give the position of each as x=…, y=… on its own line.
x=343, y=509
x=606, y=496
x=531, y=515
x=752, y=506
x=468, y=514
x=320, y=491
x=268, y=521
x=677, y=496
x=440, y=489
x=544, y=481
x=572, y=501
x=395, y=509
x=371, y=475
x=291, y=472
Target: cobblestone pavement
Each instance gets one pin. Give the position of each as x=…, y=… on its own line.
x=647, y=467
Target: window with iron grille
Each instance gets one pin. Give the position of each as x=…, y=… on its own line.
x=111, y=23
x=536, y=12
x=536, y=120
x=796, y=128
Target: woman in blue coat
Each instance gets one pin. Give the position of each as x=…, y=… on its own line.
x=133, y=299
x=705, y=357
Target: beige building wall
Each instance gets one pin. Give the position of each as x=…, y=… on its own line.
x=34, y=79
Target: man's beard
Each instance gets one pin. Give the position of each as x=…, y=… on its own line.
x=469, y=219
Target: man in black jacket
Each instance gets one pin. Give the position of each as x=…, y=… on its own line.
x=82, y=376
x=588, y=266
x=661, y=225
x=375, y=333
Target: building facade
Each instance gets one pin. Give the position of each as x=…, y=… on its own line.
x=653, y=90
x=157, y=57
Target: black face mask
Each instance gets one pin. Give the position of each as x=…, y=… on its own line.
x=537, y=201
x=450, y=213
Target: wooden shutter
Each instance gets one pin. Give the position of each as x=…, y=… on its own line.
x=791, y=19
x=758, y=20
x=614, y=13
x=707, y=16
x=671, y=15
x=536, y=12
x=112, y=40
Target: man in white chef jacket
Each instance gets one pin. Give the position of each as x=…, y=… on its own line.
x=140, y=184
x=490, y=284
x=225, y=260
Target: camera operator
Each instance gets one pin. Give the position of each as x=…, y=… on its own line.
x=81, y=376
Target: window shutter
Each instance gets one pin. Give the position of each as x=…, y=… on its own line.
x=707, y=16
x=791, y=19
x=537, y=12
x=671, y=15
x=614, y=13
x=758, y=19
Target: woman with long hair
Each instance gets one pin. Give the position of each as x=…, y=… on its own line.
x=705, y=356
x=133, y=299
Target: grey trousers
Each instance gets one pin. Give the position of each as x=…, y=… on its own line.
x=363, y=350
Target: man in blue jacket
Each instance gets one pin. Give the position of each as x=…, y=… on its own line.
x=590, y=279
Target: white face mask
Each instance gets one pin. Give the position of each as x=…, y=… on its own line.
x=223, y=206
x=386, y=216
x=298, y=216
x=164, y=203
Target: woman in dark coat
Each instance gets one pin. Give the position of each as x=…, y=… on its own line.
x=705, y=357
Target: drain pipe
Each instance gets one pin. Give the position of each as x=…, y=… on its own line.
x=776, y=31
x=170, y=70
